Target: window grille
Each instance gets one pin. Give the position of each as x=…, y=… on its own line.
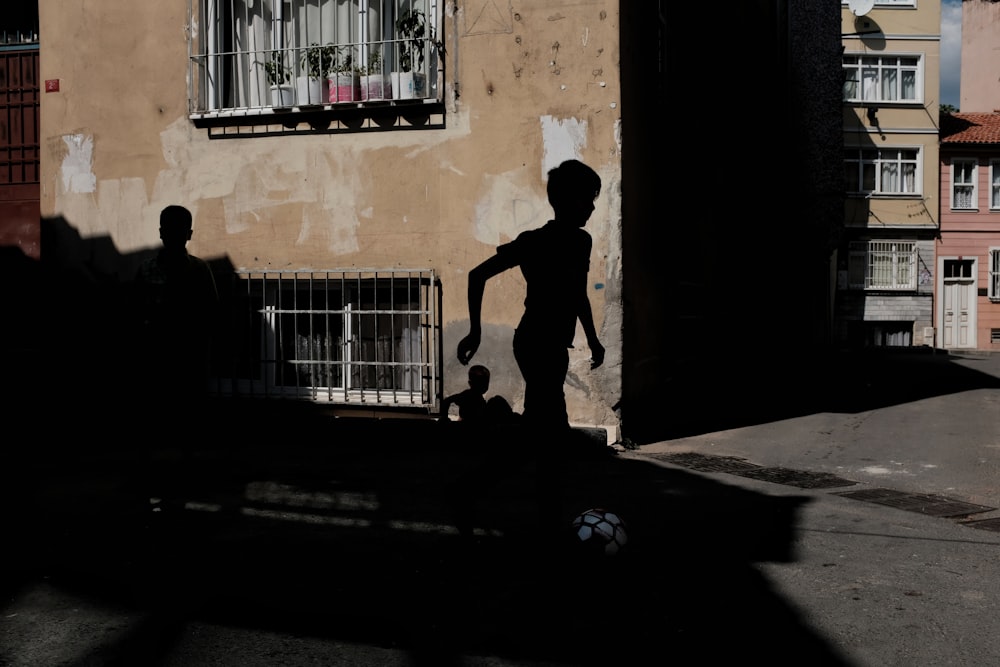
x=993, y=275
x=240, y=51
x=19, y=143
x=883, y=265
x=361, y=337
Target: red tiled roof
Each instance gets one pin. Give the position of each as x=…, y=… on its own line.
x=970, y=128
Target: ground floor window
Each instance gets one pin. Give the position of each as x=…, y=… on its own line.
x=362, y=337
x=883, y=265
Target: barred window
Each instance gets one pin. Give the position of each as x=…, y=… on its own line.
x=883, y=265
x=254, y=56
x=351, y=337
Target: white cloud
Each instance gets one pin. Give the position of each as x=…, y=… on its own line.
x=951, y=51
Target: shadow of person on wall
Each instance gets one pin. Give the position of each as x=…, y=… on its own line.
x=174, y=304
x=554, y=260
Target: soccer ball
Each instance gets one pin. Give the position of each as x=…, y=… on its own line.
x=600, y=531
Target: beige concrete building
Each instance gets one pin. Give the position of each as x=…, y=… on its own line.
x=379, y=205
x=885, y=268
x=341, y=217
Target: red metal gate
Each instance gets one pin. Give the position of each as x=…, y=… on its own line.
x=19, y=148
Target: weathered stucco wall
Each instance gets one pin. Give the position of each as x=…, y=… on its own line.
x=530, y=86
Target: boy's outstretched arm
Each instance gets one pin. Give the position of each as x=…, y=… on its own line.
x=586, y=316
x=477, y=285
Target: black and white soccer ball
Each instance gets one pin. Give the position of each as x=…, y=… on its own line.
x=600, y=531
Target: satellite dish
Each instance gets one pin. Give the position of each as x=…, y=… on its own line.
x=860, y=7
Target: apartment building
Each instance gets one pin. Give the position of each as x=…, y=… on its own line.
x=968, y=250
x=341, y=227
x=967, y=300
x=885, y=265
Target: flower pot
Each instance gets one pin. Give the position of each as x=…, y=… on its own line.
x=408, y=85
x=282, y=96
x=375, y=87
x=344, y=88
x=311, y=90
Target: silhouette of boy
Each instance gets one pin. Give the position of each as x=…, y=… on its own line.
x=471, y=402
x=177, y=302
x=554, y=260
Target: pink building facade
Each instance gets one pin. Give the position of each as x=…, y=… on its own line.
x=967, y=303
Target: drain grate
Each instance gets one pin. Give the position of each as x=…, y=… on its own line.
x=798, y=478
x=736, y=466
x=984, y=524
x=706, y=462
x=931, y=505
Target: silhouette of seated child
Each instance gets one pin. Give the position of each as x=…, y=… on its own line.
x=473, y=408
x=471, y=402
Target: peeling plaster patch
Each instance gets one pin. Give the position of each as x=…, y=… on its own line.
x=561, y=140
x=586, y=36
x=502, y=213
x=77, y=173
x=618, y=134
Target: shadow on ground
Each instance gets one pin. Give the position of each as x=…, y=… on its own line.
x=717, y=393
x=340, y=533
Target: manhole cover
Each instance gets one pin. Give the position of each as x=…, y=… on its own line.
x=914, y=502
x=798, y=478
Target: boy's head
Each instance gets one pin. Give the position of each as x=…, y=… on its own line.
x=572, y=188
x=479, y=378
x=175, y=227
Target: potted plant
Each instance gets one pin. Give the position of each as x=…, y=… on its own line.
x=374, y=82
x=344, y=78
x=279, y=77
x=316, y=62
x=410, y=81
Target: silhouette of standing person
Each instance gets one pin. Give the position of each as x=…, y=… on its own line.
x=177, y=303
x=554, y=260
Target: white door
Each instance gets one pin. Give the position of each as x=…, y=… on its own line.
x=958, y=303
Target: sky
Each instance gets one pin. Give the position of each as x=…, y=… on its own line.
x=951, y=51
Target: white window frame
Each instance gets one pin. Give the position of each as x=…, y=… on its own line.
x=231, y=41
x=357, y=336
x=883, y=265
x=868, y=76
x=880, y=166
x=888, y=3
x=994, y=185
x=993, y=274
x=965, y=176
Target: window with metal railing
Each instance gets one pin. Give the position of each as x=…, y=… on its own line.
x=883, y=265
x=259, y=56
x=360, y=337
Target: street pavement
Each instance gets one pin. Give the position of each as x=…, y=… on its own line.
x=863, y=532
